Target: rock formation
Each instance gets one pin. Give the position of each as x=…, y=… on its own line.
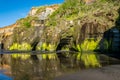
x=63, y=26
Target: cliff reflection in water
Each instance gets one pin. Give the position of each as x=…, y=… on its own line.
x=44, y=67
x=48, y=66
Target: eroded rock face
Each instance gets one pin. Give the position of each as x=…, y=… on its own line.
x=6, y=35
x=18, y=31
x=65, y=32
x=92, y=30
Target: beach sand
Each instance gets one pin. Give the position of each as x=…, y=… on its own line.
x=111, y=72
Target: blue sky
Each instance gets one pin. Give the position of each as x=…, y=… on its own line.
x=12, y=10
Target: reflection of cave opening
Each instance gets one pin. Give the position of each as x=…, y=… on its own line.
x=1, y=46
x=34, y=44
x=3, y=60
x=64, y=43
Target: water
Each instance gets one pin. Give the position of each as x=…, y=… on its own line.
x=4, y=77
x=47, y=66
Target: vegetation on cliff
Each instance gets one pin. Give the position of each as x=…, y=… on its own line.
x=74, y=25
x=99, y=10
x=85, y=21
x=23, y=46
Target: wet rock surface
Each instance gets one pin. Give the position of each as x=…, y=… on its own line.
x=111, y=72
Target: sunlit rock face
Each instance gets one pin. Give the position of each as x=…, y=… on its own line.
x=65, y=24
x=44, y=14
x=43, y=11
x=6, y=34
x=89, y=22
x=33, y=11
x=89, y=1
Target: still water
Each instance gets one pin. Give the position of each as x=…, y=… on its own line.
x=47, y=66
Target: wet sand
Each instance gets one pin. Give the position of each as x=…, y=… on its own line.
x=111, y=72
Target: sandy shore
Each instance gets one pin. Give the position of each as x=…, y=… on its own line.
x=111, y=72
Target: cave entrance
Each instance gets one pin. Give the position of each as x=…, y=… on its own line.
x=64, y=44
x=1, y=46
x=34, y=44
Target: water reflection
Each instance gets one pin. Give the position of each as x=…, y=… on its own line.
x=48, y=66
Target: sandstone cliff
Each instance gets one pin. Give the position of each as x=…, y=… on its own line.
x=73, y=25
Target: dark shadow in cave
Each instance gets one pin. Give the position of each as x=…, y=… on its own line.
x=112, y=36
x=1, y=53
x=62, y=55
x=34, y=44
x=63, y=42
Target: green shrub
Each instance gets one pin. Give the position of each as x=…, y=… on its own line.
x=89, y=60
x=106, y=44
x=89, y=45
x=46, y=47
x=49, y=56
x=27, y=24
x=23, y=46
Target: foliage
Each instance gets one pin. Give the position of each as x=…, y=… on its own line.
x=89, y=60
x=15, y=46
x=89, y=45
x=51, y=23
x=46, y=47
x=77, y=47
x=66, y=48
x=105, y=44
x=26, y=22
x=40, y=9
x=74, y=9
x=49, y=56
x=23, y=46
x=67, y=10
